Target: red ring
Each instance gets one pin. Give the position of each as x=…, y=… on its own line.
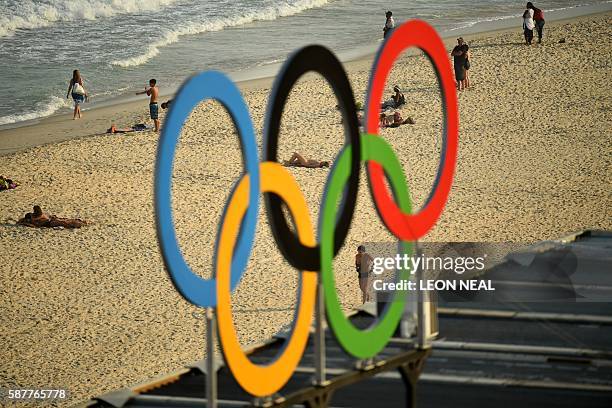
x=418, y=34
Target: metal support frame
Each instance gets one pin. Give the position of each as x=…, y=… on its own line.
x=319, y=338
x=409, y=364
x=211, y=369
x=423, y=310
x=410, y=375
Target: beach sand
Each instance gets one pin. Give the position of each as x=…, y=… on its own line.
x=92, y=310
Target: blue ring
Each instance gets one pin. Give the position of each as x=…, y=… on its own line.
x=207, y=85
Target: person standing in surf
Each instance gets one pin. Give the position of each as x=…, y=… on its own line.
x=389, y=24
x=153, y=92
x=77, y=90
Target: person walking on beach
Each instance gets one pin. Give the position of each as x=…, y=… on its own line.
x=363, y=265
x=389, y=24
x=528, y=25
x=538, y=18
x=153, y=92
x=77, y=90
x=459, y=57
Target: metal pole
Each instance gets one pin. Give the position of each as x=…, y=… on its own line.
x=319, y=337
x=422, y=315
x=211, y=372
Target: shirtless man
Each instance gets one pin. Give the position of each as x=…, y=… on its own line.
x=297, y=160
x=40, y=219
x=363, y=265
x=153, y=92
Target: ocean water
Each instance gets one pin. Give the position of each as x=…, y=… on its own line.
x=119, y=44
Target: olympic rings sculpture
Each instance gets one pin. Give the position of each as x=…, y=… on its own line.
x=312, y=255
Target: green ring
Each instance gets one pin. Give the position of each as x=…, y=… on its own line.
x=361, y=343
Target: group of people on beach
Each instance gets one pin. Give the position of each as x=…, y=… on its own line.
x=385, y=120
x=76, y=89
x=533, y=18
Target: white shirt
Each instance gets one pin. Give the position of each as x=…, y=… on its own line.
x=528, y=21
x=389, y=24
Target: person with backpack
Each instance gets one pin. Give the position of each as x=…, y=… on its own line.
x=538, y=18
x=78, y=92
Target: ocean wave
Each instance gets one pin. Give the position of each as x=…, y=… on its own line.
x=284, y=9
x=270, y=62
x=30, y=14
x=42, y=109
x=468, y=24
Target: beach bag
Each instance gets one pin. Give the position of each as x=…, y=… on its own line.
x=78, y=89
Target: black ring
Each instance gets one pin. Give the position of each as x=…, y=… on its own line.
x=321, y=60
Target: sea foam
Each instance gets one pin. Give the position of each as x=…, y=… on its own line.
x=42, y=109
x=29, y=14
x=283, y=9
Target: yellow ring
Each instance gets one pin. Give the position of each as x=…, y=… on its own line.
x=262, y=380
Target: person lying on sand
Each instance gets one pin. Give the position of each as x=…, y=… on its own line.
x=136, y=128
x=7, y=183
x=297, y=160
x=394, y=120
x=383, y=120
x=39, y=219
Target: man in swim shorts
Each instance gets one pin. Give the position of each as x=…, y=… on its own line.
x=363, y=265
x=153, y=92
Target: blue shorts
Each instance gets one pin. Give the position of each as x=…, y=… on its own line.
x=154, y=110
x=78, y=99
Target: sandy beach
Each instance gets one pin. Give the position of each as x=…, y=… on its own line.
x=92, y=310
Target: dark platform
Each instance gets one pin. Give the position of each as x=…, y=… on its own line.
x=536, y=354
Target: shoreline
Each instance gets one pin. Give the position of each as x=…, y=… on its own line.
x=57, y=127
